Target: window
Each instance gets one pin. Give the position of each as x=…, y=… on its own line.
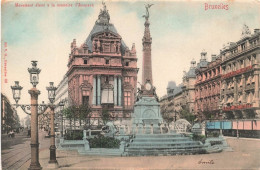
x=127, y=64
x=107, y=61
x=85, y=61
x=85, y=97
x=85, y=78
x=127, y=98
x=127, y=79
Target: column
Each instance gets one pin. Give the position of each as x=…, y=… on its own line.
x=35, y=164
x=98, y=90
x=94, y=92
x=256, y=88
x=235, y=90
x=119, y=91
x=115, y=90
x=243, y=88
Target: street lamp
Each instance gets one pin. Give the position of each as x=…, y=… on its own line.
x=34, y=108
x=16, y=89
x=51, y=95
x=61, y=104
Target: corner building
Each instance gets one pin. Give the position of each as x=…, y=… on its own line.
x=240, y=77
x=102, y=72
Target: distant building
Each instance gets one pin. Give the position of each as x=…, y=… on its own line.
x=167, y=103
x=180, y=97
x=240, y=77
x=9, y=117
x=207, y=88
x=102, y=72
x=188, y=88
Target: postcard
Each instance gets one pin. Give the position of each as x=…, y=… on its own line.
x=130, y=84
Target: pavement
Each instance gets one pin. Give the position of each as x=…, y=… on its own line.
x=245, y=155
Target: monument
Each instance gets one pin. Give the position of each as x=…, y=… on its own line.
x=148, y=137
x=147, y=108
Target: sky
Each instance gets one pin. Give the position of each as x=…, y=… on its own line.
x=180, y=30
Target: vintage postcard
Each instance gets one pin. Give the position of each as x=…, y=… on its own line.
x=93, y=84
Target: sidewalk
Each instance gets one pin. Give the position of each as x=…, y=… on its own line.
x=245, y=156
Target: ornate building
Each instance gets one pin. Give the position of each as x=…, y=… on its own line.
x=102, y=72
x=207, y=87
x=240, y=76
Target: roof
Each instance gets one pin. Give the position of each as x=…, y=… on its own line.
x=191, y=73
x=102, y=24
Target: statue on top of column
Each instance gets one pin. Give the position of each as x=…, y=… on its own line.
x=147, y=6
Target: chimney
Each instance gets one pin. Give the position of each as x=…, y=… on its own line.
x=256, y=31
x=213, y=57
x=203, y=55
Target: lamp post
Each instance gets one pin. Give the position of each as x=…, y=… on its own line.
x=53, y=163
x=34, y=108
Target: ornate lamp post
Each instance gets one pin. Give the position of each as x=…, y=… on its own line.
x=34, y=108
x=51, y=95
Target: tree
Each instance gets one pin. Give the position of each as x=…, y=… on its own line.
x=168, y=117
x=105, y=116
x=185, y=114
x=81, y=112
x=84, y=113
x=68, y=113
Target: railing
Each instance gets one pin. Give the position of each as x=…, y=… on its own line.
x=233, y=73
x=250, y=86
x=247, y=48
x=237, y=107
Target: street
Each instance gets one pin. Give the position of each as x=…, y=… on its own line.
x=16, y=151
x=245, y=155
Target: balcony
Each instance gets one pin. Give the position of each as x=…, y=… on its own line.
x=237, y=107
x=239, y=52
x=234, y=73
x=229, y=91
x=250, y=87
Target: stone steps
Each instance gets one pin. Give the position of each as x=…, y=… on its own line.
x=102, y=152
x=156, y=145
x=162, y=144
x=165, y=152
x=162, y=147
x=174, y=135
x=161, y=140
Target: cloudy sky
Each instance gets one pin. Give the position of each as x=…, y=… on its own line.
x=180, y=31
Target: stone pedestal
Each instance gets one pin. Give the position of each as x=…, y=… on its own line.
x=147, y=112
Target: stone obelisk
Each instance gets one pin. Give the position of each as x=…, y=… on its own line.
x=147, y=56
x=147, y=114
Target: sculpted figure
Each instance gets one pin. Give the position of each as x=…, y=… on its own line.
x=147, y=6
x=94, y=45
x=98, y=46
x=113, y=49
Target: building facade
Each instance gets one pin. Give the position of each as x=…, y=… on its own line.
x=180, y=97
x=188, y=88
x=207, y=88
x=9, y=117
x=240, y=77
x=102, y=72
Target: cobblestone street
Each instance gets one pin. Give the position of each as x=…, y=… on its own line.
x=17, y=151
x=245, y=155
